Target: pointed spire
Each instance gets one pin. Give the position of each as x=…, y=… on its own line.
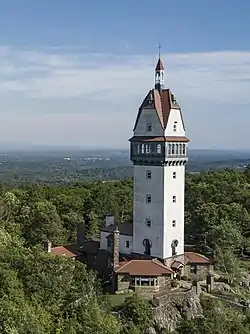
x=159, y=72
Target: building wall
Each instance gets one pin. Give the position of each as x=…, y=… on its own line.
x=149, y=116
x=175, y=116
x=122, y=242
x=202, y=271
x=162, y=211
x=124, y=284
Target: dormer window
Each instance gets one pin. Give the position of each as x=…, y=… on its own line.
x=149, y=127
x=175, y=126
x=173, y=99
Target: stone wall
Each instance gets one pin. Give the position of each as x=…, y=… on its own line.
x=173, y=296
x=202, y=270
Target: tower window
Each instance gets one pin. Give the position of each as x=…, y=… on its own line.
x=173, y=150
x=169, y=148
x=184, y=149
x=142, y=148
x=148, y=198
x=149, y=174
x=138, y=149
x=174, y=199
x=149, y=127
x=175, y=126
x=174, y=175
x=174, y=223
x=158, y=149
x=148, y=222
x=127, y=243
x=148, y=149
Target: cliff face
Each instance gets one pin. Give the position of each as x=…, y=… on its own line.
x=170, y=312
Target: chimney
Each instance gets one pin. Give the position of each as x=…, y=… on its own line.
x=80, y=230
x=110, y=220
x=47, y=246
x=116, y=247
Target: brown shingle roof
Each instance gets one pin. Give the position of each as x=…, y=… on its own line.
x=162, y=101
x=160, y=139
x=192, y=257
x=67, y=251
x=125, y=229
x=143, y=268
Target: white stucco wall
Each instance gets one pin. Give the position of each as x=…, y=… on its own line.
x=174, y=116
x=122, y=242
x=148, y=116
x=162, y=211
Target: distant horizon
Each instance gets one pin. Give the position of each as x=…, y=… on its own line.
x=48, y=148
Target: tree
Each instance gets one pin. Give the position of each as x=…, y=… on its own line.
x=137, y=311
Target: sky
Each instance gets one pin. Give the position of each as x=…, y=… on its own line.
x=73, y=73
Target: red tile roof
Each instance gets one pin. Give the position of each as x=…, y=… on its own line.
x=67, y=251
x=125, y=229
x=162, y=101
x=192, y=257
x=143, y=268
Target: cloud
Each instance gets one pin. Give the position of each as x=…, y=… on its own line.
x=71, y=86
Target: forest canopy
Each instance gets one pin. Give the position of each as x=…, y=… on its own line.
x=40, y=293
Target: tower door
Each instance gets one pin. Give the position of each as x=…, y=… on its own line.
x=147, y=246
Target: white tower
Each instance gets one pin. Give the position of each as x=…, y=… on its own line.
x=159, y=154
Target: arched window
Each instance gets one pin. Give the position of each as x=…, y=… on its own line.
x=174, y=245
x=175, y=126
x=180, y=148
x=142, y=148
x=169, y=148
x=177, y=149
x=147, y=246
x=183, y=149
x=173, y=149
x=158, y=149
x=148, y=148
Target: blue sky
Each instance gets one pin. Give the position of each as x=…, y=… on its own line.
x=75, y=72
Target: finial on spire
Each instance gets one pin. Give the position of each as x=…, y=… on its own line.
x=159, y=50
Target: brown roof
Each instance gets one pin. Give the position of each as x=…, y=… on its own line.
x=68, y=251
x=162, y=101
x=160, y=139
x=176, y=265
x=143, y=268
x=192, y=257
x=125, y=228
x=159, y=65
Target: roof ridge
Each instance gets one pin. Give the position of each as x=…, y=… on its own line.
x=156, y=261
x=125, y=264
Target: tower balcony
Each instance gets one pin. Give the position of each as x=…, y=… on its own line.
x=159, y=150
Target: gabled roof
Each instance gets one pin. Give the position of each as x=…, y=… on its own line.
x=162, y=101
x=143, y=268
x=125, y=229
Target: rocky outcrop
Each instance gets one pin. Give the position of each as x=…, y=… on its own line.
x=168, y=314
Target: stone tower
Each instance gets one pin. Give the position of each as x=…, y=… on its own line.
x=158, y=151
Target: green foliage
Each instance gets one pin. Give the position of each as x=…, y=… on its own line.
x=215, y=320
x=137, y=311
x=41, y=293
